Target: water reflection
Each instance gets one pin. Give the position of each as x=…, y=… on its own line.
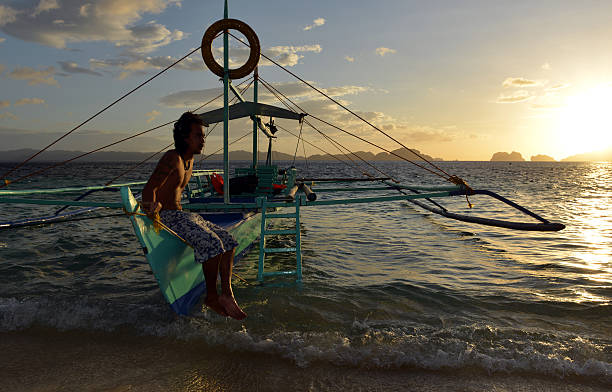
x=593, y=219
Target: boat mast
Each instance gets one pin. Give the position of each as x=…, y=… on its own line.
x=255, y=134
x=226, y=195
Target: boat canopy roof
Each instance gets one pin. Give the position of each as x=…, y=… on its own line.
x=247, y=109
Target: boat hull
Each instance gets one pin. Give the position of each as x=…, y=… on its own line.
x=180, y=278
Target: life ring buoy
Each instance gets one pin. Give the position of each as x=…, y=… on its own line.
x=233, y=24
x=217, y=183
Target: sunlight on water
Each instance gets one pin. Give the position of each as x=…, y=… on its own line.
x=594, y=218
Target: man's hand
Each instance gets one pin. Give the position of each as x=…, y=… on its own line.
x=152, y=208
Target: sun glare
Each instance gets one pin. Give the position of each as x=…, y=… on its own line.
x=585, y=123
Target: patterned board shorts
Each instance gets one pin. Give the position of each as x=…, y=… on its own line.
x=208, y=240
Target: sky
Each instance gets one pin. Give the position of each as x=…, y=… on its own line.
x=454, y=79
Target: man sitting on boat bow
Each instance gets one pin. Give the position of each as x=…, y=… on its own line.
x=213, y=246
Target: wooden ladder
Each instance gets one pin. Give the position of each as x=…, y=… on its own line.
x=261, y=274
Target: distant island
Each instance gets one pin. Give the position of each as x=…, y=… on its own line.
x=239, y=155
x=542, y=158
x=507, y=157
x=593, y=156
x=596, y=156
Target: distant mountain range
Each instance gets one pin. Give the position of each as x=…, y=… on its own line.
x=240, y=155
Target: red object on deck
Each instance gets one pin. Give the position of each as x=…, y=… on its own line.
x=217, y=182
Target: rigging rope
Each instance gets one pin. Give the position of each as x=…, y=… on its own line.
x=103, y=147
x=6, y=181
x=298, y=142
x=138, y=165
x=221, y=149
x=305, y=158
x=87, y=153
x=334, y=143
x=354, y=114
x=325, y=152
x=251, y=79
x=454, y=179
x=273, y=90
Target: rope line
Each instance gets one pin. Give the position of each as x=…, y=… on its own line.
x=333, y=142
x=298, y=142
x=94, y=116
x=305, y=158
x=358, y=137
x=350, y=111
x=103, y=147
x=251, y=79
x=325, y=152
x=138, y=165
x=221, y=149
x=88, y=153
x=268, y=87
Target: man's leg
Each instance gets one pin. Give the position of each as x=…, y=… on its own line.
x=227, y=295
x=211, y=270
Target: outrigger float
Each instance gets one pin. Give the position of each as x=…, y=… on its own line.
x=246, y=203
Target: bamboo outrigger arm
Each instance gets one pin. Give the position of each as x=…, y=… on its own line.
x=543, y=225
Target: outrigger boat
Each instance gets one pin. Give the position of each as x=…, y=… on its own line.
x=246, y=203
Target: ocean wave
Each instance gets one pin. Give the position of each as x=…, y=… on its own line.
x=362, y=344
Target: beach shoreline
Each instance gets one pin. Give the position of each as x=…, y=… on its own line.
x=44, y=359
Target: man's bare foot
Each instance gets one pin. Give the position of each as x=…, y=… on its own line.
x=231, y=307
x=214, y=304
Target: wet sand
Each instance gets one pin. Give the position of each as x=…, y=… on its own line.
x=46, y=360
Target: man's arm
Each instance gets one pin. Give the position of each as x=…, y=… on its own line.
x=167, y=164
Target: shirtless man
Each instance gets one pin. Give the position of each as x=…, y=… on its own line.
x=213, y=246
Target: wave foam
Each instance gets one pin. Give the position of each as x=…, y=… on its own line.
x=485, y=347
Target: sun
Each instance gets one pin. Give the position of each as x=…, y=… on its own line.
x=585, y=122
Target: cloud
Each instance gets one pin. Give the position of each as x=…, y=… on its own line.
x=151, y=36
x=349, y=59
x=44, y=6
x=152, y=115
x=7, y=15
x=54, y=23
x=287, y=56
x=34, y=77
x=30, y=101
x=540, y=106
x=73, y=68
x=315, y=23
x=5, y=104
x=8, y=115
x=382, y=51
x=546, y=67
x=558, y=87
x=139, y=64
x=520, y=82
x=312, y=102
x=517, y=96
x=297, y=91
x=426, y=134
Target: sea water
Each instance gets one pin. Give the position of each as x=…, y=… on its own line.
x=393, y=297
